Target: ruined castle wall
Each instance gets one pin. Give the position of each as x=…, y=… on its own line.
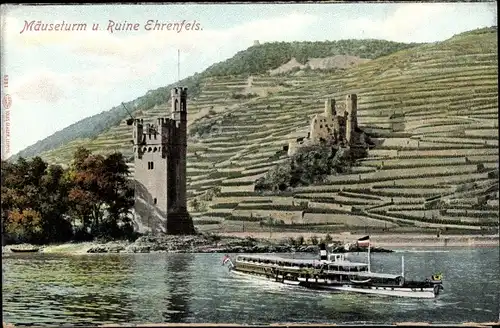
x=352, y=121
x=330, y=110
x=292, y=148
x=321, y=127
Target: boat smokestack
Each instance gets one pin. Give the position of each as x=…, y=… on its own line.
x=402, y=266
x=323, y=255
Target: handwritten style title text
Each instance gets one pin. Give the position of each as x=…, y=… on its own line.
x=112, y=26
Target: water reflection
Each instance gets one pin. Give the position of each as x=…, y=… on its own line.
x=177, y=280
x=103, y=296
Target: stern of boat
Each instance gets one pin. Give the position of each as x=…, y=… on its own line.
x=437, y=283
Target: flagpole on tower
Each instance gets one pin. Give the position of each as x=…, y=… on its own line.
x=179, y=65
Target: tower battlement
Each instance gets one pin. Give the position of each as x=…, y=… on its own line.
x=181, y=91
x=178, y=97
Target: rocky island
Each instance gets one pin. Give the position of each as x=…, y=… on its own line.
x=200, y=243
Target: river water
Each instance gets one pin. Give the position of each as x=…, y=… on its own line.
x=47, y=289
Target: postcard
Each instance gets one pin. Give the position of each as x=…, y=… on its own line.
x=331, y=163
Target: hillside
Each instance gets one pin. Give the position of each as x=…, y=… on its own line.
x=438, y=167
x=254, y=60
x=432, y=110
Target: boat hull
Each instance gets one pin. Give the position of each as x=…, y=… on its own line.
x=24, y=250
x=387, y=291
x=325, y=284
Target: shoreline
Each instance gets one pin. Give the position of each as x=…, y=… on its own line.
x=258, y=242
x=387, y=240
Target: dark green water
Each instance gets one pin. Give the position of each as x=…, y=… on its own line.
x=49, y=289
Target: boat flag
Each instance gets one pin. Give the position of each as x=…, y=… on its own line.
x=364, y=241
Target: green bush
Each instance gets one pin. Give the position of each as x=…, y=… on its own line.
x=205, y=222
x=224, y=205
x=300, y=240
x=328, y=239
x=244, y=96
x=314, y=240
x=243, y=218
x=310, y=165
x=272, y=207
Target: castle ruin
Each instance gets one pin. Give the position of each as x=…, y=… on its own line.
x=341, y=126
x=160, y=171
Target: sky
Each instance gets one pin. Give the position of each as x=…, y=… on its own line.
x=56, y=78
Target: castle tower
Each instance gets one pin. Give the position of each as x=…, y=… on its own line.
x=351, y=106
x=160, y=171
x=330, y=110
x=150, y=166
x=179, y=221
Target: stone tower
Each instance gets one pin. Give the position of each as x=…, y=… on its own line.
x=351, y=105
x=160, y=170
x=330, y=110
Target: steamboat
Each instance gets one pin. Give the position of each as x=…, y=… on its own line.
x=335, y=273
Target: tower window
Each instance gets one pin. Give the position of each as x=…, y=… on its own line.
x=150, y=165
x=155, y=201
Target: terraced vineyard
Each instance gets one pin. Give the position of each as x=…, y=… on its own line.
x=432, y=112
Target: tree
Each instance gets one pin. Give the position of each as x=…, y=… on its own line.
x=41, y=203
x=101, y=195
x=53, y=206
x=32, y=191
x=118, y=191
x=85, y=196
x=195, y=204
x=25, y=225
x=314, y=240
x=328, y=239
